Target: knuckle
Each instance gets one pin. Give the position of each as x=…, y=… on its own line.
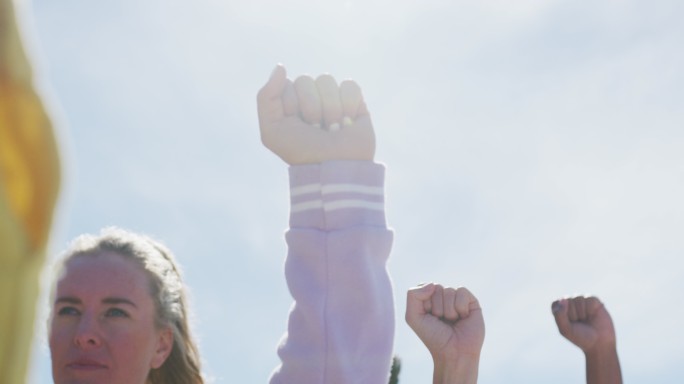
x=325, y=78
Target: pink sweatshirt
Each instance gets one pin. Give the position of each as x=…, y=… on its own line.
x=341, y=325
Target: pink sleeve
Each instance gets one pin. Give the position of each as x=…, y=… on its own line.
x=341, y=325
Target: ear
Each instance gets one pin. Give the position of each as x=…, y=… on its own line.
x=163, y=349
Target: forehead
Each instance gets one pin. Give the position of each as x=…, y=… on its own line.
x=105, y=273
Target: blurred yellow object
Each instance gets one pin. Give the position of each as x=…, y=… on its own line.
x=29, y=184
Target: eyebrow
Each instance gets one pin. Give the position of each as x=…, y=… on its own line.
x=67, y=300
x=106, y=300
x=118, y=300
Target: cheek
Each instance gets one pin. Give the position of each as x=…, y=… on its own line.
x=57, y=337
x=135, y=346
x=60, y=343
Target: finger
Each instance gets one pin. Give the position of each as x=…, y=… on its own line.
x=269, y=103
x=274, y=86
x=290, y=103
x=309, y=99
x=580, y=308
x=353, y=105
x=330, y=101
x=465, y=302
x=427, y=306
x=421, y=292
x=593, y=306
x=450, y=312
x=437, y=301
x=560, y=313
x=415, y=299
x=572, y=311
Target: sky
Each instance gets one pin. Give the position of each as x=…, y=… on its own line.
x=534, y=150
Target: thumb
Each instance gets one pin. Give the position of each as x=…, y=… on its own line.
x=415, y=297
x=274, y=86
x=560, y=313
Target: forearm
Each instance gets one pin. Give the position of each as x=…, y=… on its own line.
x=603, y=365
x=342, y=323
x=463, y=370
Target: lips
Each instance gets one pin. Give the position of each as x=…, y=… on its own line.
x=86, y=365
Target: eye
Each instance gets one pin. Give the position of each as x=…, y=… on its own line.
x=68, y=311
x=116, y=312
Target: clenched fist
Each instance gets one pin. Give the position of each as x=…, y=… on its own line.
x=314, y=120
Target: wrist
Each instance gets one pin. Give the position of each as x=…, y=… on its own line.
x=602, y=364
x=601, y=354
x=601, y=348
x=337, y=195
x=459, y=370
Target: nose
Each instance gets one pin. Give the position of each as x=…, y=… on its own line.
x=87, y=332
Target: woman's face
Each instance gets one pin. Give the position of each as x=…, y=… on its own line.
x=102, y=327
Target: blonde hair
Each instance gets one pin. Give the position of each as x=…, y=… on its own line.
x=166, y=288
